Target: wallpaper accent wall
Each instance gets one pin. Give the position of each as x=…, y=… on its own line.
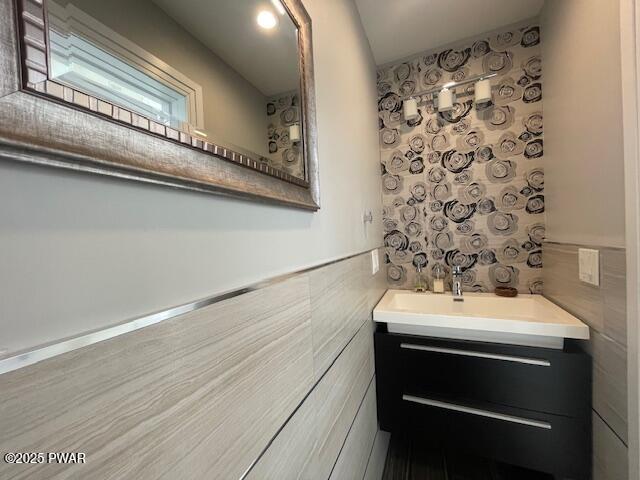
x=282, y=112
x=466, y=187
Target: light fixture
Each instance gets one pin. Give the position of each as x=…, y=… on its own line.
x=446, y=99
x=482, y=92
x=277, y=4
x=267, y=19
x=410, y=109
x=443, y=98
x=294, y=132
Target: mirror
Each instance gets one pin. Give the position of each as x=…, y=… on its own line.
x=225, y=72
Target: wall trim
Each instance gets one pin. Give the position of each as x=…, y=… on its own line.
x=15, y=361
x=585, y=245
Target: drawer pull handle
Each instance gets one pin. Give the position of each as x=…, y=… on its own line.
x=477, y=411
x=471, y=353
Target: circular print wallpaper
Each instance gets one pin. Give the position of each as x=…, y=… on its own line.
x=466, y=187
x=285, y=155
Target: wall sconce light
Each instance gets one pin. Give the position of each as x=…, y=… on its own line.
x=410, y=109
x=482, y=92
x=294, y=132
x=446, y=99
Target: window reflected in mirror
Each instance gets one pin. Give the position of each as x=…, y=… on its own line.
x=224, y=71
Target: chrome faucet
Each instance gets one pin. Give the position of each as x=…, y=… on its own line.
x=420, y=285
x=456, y=283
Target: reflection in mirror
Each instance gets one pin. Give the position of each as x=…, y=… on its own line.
x=225, y=71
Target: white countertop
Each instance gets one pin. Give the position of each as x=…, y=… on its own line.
x=524, y=320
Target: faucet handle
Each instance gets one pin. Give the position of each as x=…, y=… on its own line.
x=457, y=270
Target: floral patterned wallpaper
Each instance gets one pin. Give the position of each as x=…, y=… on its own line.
x=466, y=187
x=285, y=155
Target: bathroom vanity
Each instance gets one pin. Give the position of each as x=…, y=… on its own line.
x=499, y=377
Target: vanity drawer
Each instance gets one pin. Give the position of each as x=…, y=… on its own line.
x=551, y=443
x=521, y=405
x=537, y=379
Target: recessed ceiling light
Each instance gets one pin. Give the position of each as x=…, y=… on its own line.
x=278, y=6
x=267, y=19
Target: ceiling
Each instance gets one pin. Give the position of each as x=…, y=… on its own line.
x=400, y=28
x=268, y=59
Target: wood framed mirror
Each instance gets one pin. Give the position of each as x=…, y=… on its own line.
x=213, y=96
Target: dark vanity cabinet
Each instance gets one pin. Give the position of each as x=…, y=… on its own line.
x=521, y=405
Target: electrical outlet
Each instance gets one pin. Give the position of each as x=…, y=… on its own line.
x=589, y=266
x=375, y=262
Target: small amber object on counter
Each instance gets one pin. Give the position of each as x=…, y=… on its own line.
x=506, y=292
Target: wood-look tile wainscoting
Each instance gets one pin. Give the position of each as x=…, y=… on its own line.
x=275, y=383
x=604, y=310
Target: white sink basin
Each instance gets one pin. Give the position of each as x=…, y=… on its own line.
x=524, y=320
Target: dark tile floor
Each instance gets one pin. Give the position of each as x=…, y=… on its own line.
x=411, y=460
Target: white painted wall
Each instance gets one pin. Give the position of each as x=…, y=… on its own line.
x=418, y=25
x=583, y=149
x=585, y=156
x=79, y=252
